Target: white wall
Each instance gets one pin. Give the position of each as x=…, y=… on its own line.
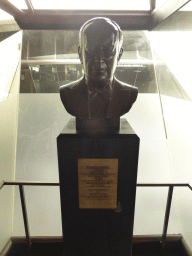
x=41, y=119
x=175, y=48
x=179, y=128
x=8, y=134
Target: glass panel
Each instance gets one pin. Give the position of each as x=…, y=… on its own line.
x=92, y=5
x=141, y=76
x=172, y=42
x=187, y=7
x=48, y=78
x=159, y=3
x=50, y=44
x=136, y=46
x=174, y=69
x=168, y=83
x=44, y=48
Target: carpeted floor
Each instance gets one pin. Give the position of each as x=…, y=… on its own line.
x=138, y=249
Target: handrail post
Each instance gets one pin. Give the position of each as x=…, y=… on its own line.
x=189, y=186
x=25, y=219
x=166, y=219
x=1, y=185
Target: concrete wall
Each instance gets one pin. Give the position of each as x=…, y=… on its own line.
x=8, y=130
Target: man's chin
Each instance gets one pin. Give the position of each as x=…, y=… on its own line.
x=100, y=80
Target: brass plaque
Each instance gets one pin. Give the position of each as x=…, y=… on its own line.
x=97, y=180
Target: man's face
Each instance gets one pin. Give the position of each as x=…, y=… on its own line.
x=99, y=54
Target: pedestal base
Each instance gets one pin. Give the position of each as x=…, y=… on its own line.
x=97, y=232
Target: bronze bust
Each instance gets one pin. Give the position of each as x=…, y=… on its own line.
x=98, y=95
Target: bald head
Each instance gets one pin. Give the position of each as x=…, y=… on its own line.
x=100, y=50
x=99, y=26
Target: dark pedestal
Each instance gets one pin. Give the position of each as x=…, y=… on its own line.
x=97, y=232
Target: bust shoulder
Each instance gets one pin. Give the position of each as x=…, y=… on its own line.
x=125, y=85
x=132, y=90
x=76, y=85
x=70, y=96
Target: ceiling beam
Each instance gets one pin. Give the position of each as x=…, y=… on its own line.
x=166, y=10
x=74, y=19
x=8, y=7
x=29, y=5
x=152, y=5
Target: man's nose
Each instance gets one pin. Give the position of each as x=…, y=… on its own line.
x=99, y=57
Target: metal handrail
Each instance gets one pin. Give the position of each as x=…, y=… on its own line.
x=46, y=183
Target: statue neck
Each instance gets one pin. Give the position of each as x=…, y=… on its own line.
x=99, y=84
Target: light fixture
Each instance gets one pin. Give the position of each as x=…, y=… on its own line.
x=92, y=5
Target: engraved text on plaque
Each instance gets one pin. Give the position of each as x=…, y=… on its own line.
x=97, y=181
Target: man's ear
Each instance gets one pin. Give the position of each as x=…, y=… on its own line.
x=80, y=54
x=120, y=54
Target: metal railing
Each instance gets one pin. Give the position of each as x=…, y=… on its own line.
x=39, y=183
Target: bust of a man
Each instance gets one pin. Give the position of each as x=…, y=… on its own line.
x=98, y=95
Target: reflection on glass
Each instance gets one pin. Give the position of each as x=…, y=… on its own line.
x=47, y=46
x=48, y=79
x=50, y=44
x=26, y=81
x=141, y=76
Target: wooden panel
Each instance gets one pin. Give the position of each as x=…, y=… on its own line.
x=75, y=19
